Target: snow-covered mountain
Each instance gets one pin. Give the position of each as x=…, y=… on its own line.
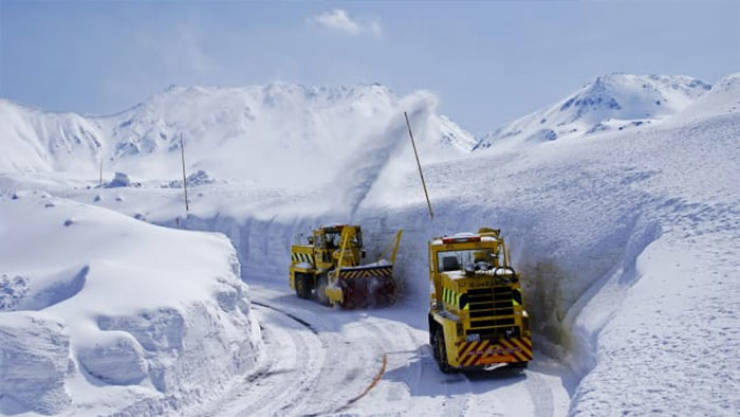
x=612, y=102
x=233, y=132
x=723, y=98
x=34, y=140
x=280, y=113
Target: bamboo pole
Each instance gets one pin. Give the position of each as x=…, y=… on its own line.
x=418, y=164
x=184, y=177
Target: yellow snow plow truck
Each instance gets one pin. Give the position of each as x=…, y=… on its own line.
x=477, y=318
x=328, y=268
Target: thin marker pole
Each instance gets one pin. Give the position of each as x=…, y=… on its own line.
x=101, y=170
x=418, y=164
x=184, y=178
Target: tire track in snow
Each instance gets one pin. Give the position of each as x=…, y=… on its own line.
x=420, y=368
x=306, y=356
x=396, y=346
x=541, y=395
x=292, y=316
x=369, y=387
x=360, y=363
x=344, y=376
x=292, y=355
x=350, y=374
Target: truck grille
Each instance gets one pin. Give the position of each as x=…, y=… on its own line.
x=487, y=302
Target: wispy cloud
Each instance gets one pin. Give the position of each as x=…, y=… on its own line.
x=340, y=21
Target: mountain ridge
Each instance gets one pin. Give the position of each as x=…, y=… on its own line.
x=614, y=101
x=259, y=118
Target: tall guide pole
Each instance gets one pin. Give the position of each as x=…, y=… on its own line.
x=184, y=178
x=418, y=164
x=101, y=170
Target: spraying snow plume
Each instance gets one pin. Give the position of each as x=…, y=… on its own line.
x=361, y=172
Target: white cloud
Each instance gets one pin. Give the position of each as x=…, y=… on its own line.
x=341, y=21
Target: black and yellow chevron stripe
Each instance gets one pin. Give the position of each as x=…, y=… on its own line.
x=485, y=352
x=375, y=271
x=302, y=257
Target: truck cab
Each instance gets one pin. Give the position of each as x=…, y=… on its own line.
x=477, y=317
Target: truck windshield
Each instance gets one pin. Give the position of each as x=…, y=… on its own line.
x=481, y=259
x=330, y=240
x=333, y=240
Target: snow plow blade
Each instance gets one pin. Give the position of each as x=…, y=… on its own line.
x=374, y=271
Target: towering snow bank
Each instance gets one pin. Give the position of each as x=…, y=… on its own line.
x=675, y=331
x=103, y=313
x=34, y=363
x=610, y=102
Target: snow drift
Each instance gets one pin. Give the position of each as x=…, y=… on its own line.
x=97, y=306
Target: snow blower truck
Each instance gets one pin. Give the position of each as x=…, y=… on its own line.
x=477, y=319
x=328, y=269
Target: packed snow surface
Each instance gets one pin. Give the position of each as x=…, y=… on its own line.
x=626, y=235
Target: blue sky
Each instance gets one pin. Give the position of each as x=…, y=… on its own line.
x=489, y=62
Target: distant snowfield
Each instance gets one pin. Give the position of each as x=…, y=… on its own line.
x=628, y=239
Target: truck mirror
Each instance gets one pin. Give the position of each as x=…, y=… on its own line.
x=310, y=240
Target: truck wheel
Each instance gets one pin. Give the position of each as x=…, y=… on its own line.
x=302, y=286
x=440, y=351
x=321, y=296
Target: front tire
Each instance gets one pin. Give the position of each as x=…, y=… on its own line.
x=440, y=351
x=321, y=296
x=302, y=286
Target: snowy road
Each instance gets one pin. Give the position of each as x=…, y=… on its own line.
x=322, y=361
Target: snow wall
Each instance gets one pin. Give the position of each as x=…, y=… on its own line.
x=577, y=218
x=103, y=314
